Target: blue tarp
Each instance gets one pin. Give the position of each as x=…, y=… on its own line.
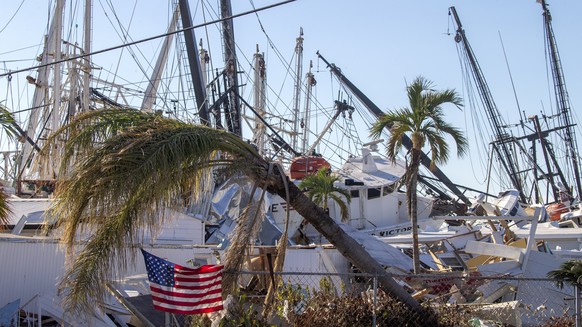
x=9, y=314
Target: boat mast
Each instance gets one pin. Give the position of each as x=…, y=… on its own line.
x=502, y=138
x=341, y=107
x=57, y=54
x=260, y=82
x=194, y=62
x=205, y=63
x=233, y=116
x=150, y=94
x=297, y=95
x=307, y=112
x=41, y=103
x=406, y=141
x=86, y=67
x=548, y=155
x=562, y=99
x=46, y=170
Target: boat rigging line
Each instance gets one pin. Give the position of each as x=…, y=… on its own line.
x=521, y=118
x=11, y=18
x=502, y=148
x=145, y=39
x=562, y=98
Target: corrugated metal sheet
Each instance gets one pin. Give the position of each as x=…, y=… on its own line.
x=31, y=266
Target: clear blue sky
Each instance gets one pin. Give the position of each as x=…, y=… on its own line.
x=379, y=45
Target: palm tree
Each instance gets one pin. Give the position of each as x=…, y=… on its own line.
x=8, y=124
x=570, y=271
x=423, y=121
x=320, y=188
x=128, y=174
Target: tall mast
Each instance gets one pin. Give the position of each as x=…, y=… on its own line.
x=47, y=170
x=231, y=69
x=260, y=82
x=151, y=91
x=297, y=95
x=562, y=99
x=57, y=55
x=88, y=25
x=194, y=62
x=310, y=83
x=502, y=138
x=42, y=93
x=205, y=64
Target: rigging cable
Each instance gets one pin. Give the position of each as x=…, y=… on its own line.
x=124, y=36
x=13, y=15
x=511, y=78
x=142, y=40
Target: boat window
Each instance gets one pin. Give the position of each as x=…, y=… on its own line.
x=355, y=193
x=373, y=193
x=387, y=189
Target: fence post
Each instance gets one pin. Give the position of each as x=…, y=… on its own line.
x=376, y=302
x=577, y=303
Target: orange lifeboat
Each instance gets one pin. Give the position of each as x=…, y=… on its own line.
x=555, y=211
x=308, y=165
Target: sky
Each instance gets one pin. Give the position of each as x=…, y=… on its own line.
x=379, y=45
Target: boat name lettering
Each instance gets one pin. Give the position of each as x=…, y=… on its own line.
x=283, y=205
x=395, y=231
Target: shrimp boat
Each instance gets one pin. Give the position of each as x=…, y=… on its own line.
x=377, y=207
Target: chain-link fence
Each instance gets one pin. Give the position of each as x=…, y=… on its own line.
x=449, y=299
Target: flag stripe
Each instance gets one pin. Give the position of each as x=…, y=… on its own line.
x=198, y=271
x=180, y=310
x=183, y=293
x=191, y=289
x=194, y=286
x=184, y=290
x=179, y=278
x=209, y=299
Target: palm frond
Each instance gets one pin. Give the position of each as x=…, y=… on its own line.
x=89, y=129
x=321, y=187
x=8, y=123
x=5, y=210
x=423, y=120
x=570, y=271
x=124, y=185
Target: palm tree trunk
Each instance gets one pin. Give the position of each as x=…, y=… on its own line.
x=413, y=207
x=347, y=246
x=577, y=304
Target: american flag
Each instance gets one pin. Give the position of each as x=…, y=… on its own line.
x=184, y=290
